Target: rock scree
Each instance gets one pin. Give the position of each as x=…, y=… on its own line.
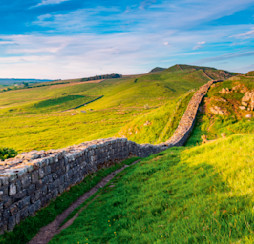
x=31, y=180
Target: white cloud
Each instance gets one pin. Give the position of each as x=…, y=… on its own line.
x=48, y=2
x=245, y=35
x=149, y=36
x=199, y=45
x=79, y=55
x=172, y=15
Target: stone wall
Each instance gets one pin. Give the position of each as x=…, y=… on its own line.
x=30, y=180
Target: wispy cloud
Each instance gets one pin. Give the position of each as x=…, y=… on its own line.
x=49, y=2
x=125, y=37
x=199, y=45
x=226, y=57
x=245, y=35
x=147, y=17
x=79, y=55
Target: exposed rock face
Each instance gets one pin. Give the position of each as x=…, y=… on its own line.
x=225, y=90
x=30, y=181
x=217, y=110
x=248, y=116
x=248, y=99
x=240, y=88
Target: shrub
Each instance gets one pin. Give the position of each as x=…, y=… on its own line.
x=7, y=153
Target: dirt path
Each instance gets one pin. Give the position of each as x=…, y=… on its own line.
x=46, y=233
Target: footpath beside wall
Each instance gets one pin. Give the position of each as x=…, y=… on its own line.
x=30, y=180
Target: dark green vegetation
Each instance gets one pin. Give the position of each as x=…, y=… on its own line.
x=99, y=77
x=202, y=194
x=25, y=231
x=7, y=153
x=33, y=119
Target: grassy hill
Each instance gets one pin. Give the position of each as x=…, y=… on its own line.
x=36, y=118
x=222, y=111
x=157, y=69
x=203, y=194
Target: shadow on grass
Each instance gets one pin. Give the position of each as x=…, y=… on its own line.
x=27, y=229
x=165, y=200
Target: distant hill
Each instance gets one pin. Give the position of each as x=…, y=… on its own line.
x=12, y=81
x=210, y=73
x=157, y=69
x=250, y=73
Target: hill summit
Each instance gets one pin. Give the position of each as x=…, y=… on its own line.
x=157, y=69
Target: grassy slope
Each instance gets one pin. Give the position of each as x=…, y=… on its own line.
x=234, y=122
x=159, y=124
x=27, y=229
x=183, y=195
x=26, y=125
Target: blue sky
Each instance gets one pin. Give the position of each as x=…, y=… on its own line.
x=76, y=38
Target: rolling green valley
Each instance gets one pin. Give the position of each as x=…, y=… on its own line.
x=199, y=191
x=126, y=122
x=45, y=117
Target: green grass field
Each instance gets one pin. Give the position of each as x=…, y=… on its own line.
x=203, y=194
x=34, y=119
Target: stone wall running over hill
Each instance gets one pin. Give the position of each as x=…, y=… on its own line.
x=30, y=180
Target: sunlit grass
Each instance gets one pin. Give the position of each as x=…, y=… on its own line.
x=198, y=195
x=32, y=119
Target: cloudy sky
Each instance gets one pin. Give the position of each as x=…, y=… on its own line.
x=76, y=38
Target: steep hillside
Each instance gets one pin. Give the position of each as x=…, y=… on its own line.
x=52, y=116
x=228, y=108
x=199, y=195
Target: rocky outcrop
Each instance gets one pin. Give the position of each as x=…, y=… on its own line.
x=31, y=180
x=239, y=88
x=217, y=110
x=248, y=100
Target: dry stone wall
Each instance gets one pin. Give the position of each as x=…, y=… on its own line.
x=31, y=180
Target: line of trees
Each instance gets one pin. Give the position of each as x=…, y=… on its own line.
x=100, y=77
